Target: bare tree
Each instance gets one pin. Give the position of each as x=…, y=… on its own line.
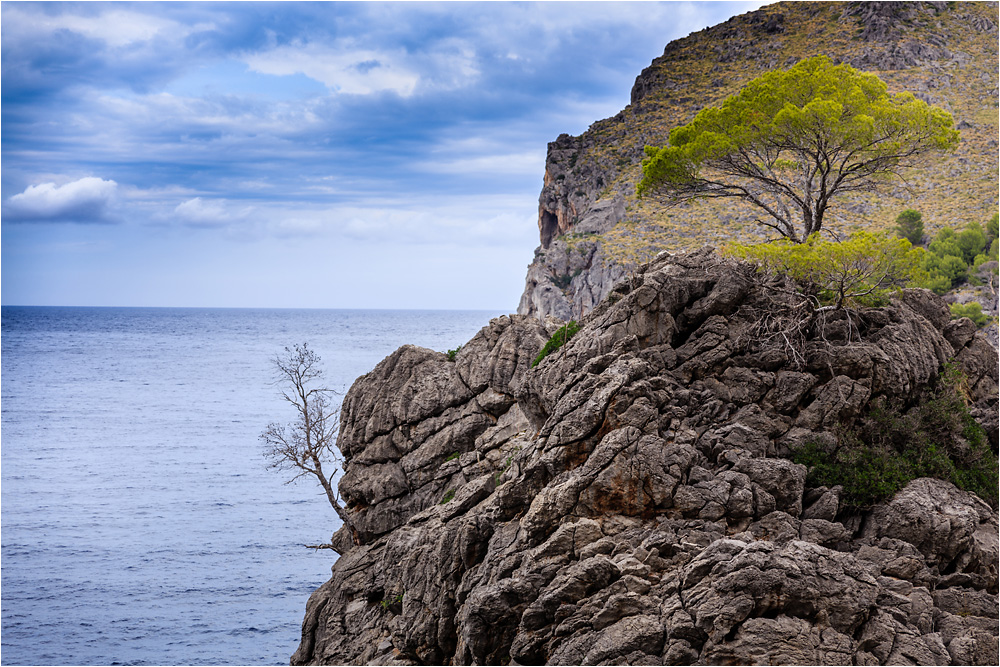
x=304, y=445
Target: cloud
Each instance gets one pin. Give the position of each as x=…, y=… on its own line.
x=116, y=27
x=356, y=128
x=360, y=72
x=346, y=69
x=198, y=212
x=89, y=199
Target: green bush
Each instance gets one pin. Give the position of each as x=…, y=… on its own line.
x=559, y=338
x=887, y=448
x=910, y=226
x=937, y=283
x=453, y=353
x=951, y=255
x=861, y=270
x=447, y=497
x=972, y=241
x=988, y=255
x=972, y=310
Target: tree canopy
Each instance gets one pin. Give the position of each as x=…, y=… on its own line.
x=791, y=140
x=862, y=270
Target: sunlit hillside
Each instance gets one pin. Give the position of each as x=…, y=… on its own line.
x=945, y=53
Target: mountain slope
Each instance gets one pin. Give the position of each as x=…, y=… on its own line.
x=593, y=230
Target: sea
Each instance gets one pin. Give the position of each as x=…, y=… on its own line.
x=139, y=523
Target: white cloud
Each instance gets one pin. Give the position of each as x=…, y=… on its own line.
x=354, y=72
x=343, y=68
x=116, y=28
x=198, y=212
x=88, y=199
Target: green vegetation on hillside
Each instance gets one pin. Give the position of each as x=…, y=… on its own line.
x=859, y=271
x=711, y=65
x=558, y=339
x=791, y=140
x=953, y=257
x=910, y=226
x=890, y=446
x=972, y=310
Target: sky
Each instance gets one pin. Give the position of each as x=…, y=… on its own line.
x=299, y=155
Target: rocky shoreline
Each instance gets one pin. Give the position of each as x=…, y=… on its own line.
x=631, y=499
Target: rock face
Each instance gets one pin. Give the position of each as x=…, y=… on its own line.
x=629, y=500
x=593, y=230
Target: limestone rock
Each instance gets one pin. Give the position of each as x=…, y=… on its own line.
x=628, y=499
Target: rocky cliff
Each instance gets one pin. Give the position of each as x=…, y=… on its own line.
x=634, y=498
x=593, y=230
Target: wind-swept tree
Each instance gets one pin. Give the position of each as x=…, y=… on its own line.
x=309, y=442
x=792, y=140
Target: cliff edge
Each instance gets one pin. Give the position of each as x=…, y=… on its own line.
x=593, y=230
x=634, y=497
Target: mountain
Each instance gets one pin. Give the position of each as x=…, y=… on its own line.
x=593, y=229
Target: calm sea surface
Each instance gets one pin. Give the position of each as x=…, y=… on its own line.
x=139, y=525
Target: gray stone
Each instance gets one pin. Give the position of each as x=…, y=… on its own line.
x=627, y=500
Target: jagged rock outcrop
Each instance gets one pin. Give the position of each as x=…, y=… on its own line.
x=630, y=500
x=592, y=228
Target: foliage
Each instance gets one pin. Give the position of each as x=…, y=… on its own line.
x=971, y=241
x=861, y=270
x=563, y=281
x=558, y=339
x=448, y=496
x=790, y=141
x=972, y=310
x=953, y=256
x=453, y=353
x=888, y=447
x=910, y=226
x=392, y=603
x=308, y=443
x=990, y=252
x=452, y=456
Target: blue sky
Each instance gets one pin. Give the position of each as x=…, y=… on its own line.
x=318, y=155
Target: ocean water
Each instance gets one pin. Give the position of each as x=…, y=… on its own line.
x=139, y=524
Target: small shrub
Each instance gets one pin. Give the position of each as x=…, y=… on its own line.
x=448, y=496
x=887, y=448
x=953, y=257
x=972, y=310
x=389, y=603
x=453, y=353
x=563, y=281
x=972, y=241
x=559, y=338
x=452, y=456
